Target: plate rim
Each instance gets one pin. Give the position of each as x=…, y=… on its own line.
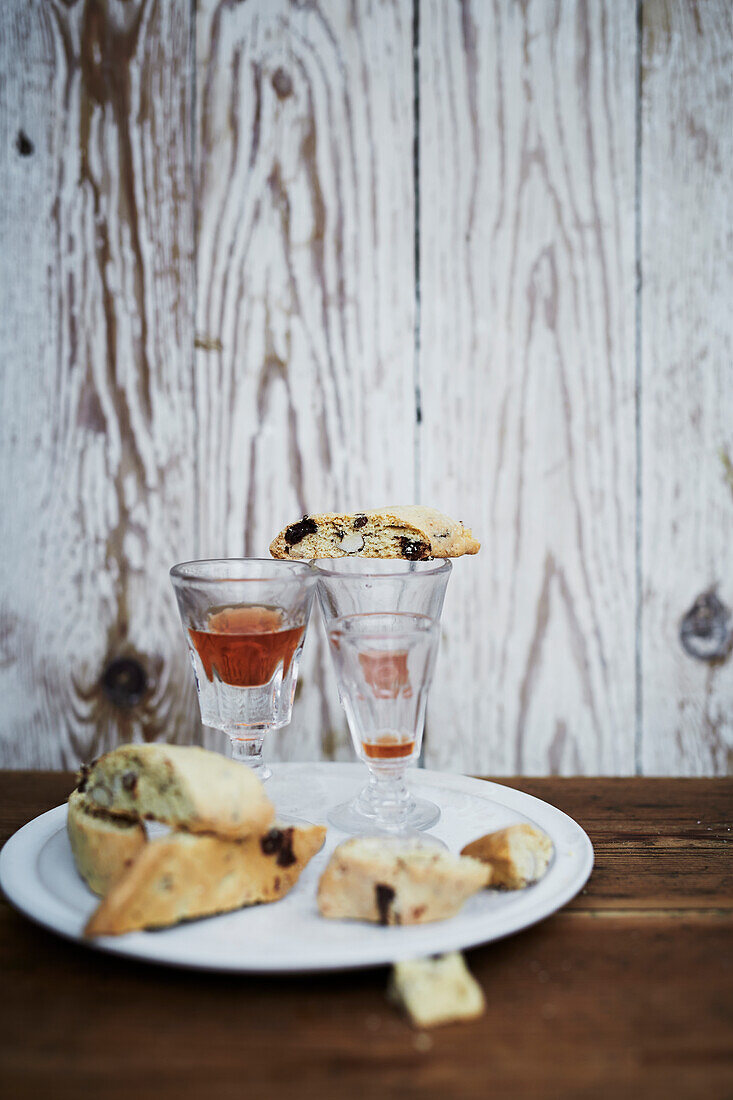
x=21, y=888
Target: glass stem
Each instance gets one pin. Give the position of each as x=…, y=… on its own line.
x=387, y=797
x=249, y=751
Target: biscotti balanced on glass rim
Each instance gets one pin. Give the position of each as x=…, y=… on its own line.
x=409, y=531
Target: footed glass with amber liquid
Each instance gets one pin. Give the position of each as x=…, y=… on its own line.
x=384, y=666
x=245, y=622
x=353, y=589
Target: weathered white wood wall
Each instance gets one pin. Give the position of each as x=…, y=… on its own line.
x=527, y=276
x=305, y=305
x=97, y=407
x=265, y=258
x=686, y=378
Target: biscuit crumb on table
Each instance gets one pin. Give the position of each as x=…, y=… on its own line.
x=437, y=990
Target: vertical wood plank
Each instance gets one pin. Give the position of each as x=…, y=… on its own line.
x=527, y=377
x=95, y=387
x=687, y=375
x=304, y=325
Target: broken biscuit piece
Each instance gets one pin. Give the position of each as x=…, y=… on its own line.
x=437, y=990
x=397, y=882
x=518, y=855
x=409, y=531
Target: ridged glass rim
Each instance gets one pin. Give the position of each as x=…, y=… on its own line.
x=438, y=565
x=291, y=570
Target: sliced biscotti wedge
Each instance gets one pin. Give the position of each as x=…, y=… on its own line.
x=183, y=787
x=393, y=882
x=187, y=875
x=103, y=846
x=518, y=855
x=409, y=531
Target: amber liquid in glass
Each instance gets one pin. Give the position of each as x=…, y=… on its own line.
x=244, y=645
x=386, y=673
x=388, y=747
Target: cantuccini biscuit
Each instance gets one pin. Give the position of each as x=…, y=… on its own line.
x=186, y=875
x=372, y=879
x=103, y=846
x=181, y=786
x=437, y=990
x=518, y=855
x=409, y=531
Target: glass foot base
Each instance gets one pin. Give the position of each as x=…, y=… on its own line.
x=261, y=770
x=351, y=817
x=291, y=820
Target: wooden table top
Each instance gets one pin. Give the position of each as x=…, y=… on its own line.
x=627, y=991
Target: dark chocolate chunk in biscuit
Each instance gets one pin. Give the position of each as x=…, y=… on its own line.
x=297, y=531
x=271, y=843
x=385, y=895
x=129, y=781
x=279, y=842
x=286, y=855
x=413, y=549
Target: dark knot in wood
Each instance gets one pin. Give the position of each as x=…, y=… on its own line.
x=282, y=83
x=705, y=631
x=23, y=144
x=124, y=682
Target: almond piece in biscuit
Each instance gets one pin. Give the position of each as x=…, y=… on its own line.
x=518, y=855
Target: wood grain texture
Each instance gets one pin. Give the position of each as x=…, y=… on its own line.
x=527, y=378
x=304, y=371
x=687, y=376
x=614, y=1002
x=660, y=845
x=95, y=388
x=578, y=1007
x=213, y=322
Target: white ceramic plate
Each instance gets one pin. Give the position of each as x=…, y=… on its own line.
x=38, y=876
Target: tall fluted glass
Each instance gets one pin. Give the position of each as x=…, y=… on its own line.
x=359, y=587
x=384, y=665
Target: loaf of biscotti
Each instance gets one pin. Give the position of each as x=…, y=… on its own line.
x=409, y=531
x=103, y=846
x=186, y=875
x=372, y=879
x=518, y=855
x=184, y=787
